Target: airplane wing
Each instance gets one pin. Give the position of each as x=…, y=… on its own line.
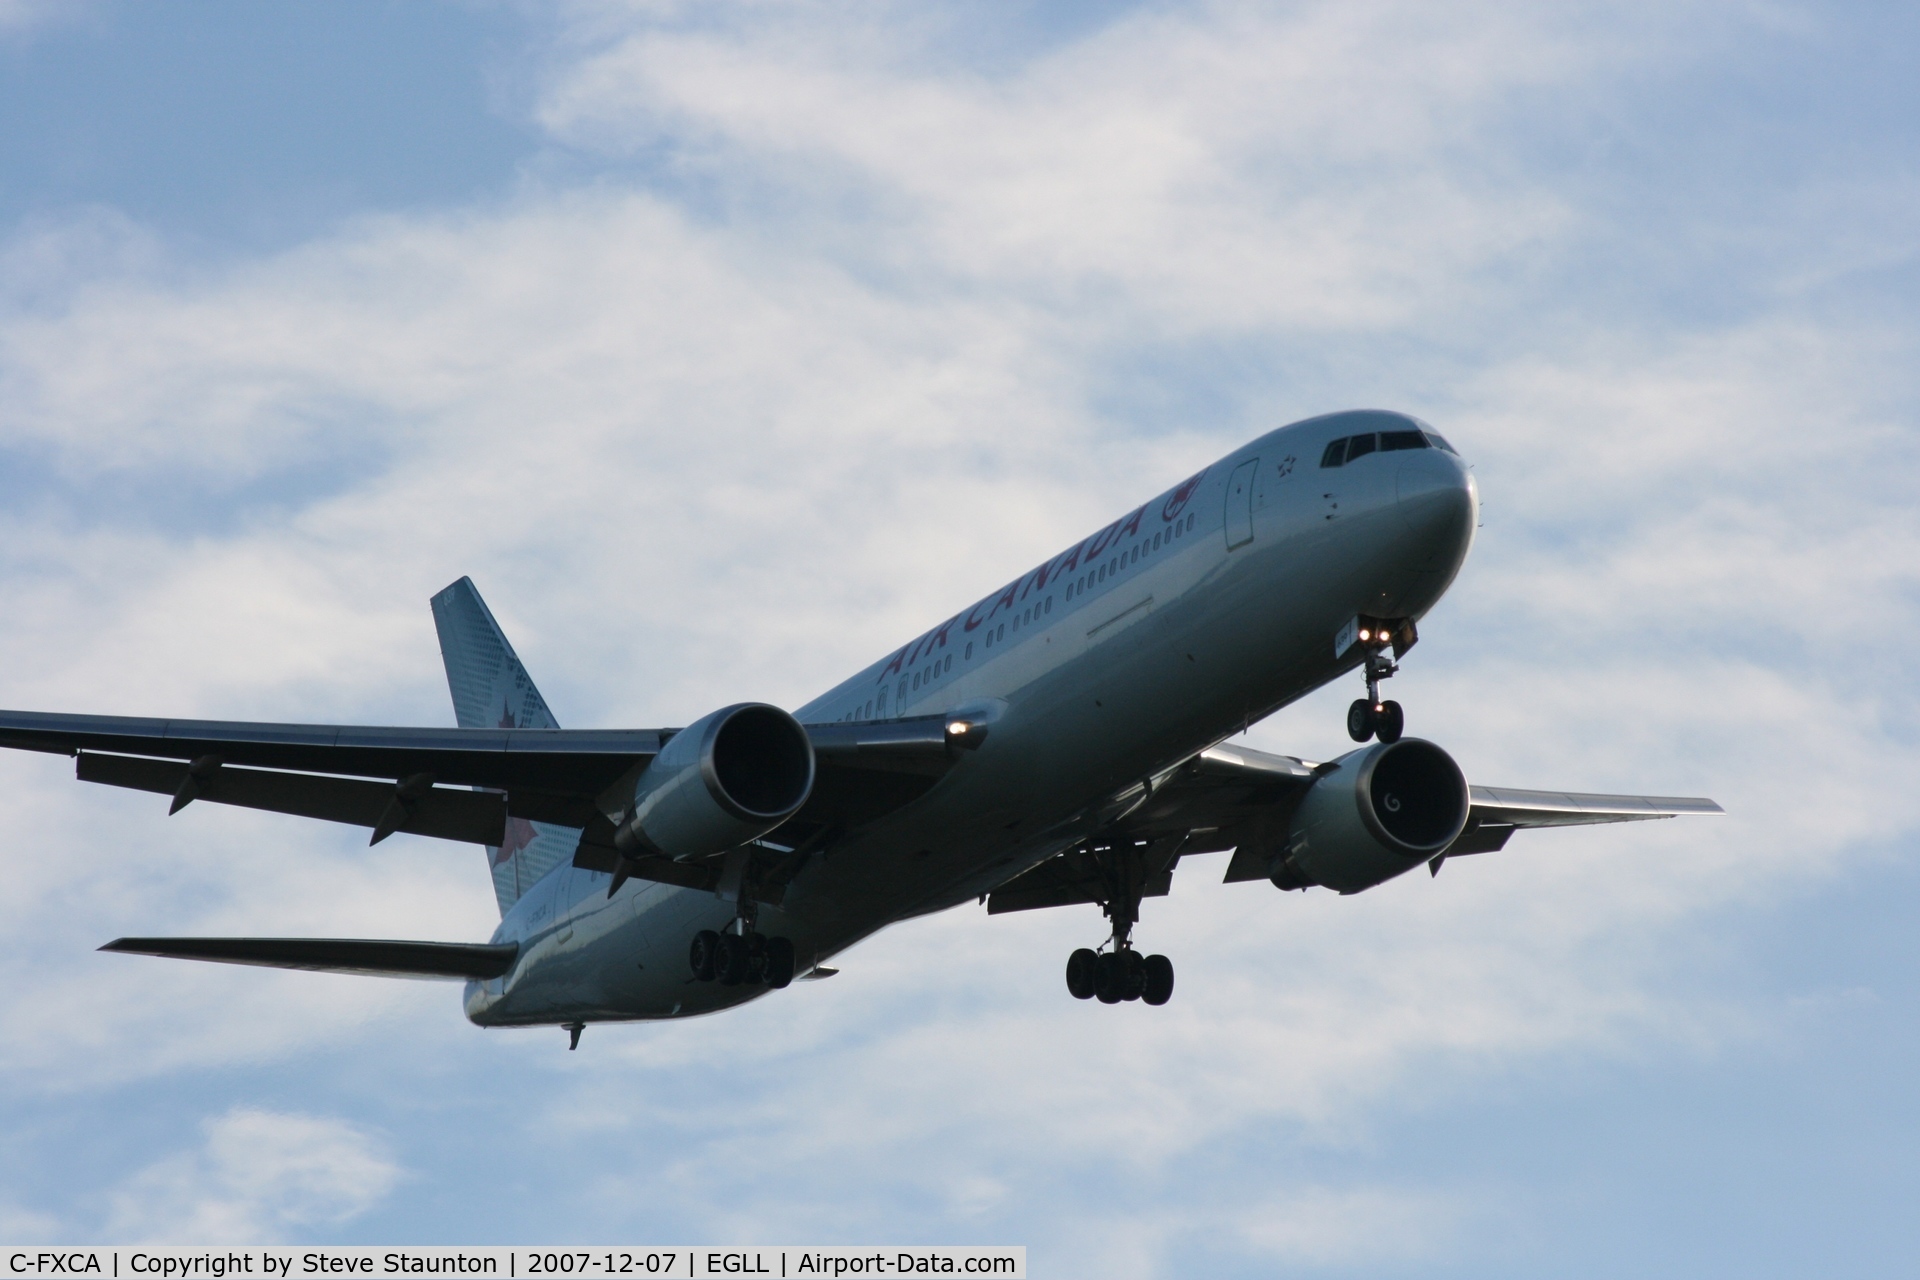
x=424, y=781
x=1230, y=797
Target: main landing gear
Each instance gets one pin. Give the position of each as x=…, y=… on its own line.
x=740, y=954
x=1369, y=716
x=1122, y=973
x=747, y=956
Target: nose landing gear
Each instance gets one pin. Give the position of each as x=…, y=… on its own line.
x=1370, y=716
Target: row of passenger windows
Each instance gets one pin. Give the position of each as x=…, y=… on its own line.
x=1143, y=547
x=1346, y=449
x=1025, y=618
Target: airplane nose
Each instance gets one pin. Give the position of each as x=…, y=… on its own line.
x=1438, y=502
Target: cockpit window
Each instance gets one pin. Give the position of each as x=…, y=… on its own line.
x=1440, y=442
x=1345, y=450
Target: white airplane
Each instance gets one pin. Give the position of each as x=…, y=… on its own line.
x=1061, y=741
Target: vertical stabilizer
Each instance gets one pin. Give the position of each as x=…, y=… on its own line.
x=492, y=690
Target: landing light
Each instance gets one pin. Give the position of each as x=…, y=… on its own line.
x=966, y=734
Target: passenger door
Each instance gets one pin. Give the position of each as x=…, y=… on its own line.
x=1239, y=522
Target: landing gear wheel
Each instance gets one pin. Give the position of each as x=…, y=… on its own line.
x=1110, y=978
x=1081, y=968
x=1389, y=722
x=700, y=955
x=779, y=962
x=730, y=960
x=756, y=956
x=1360, y=720
x=1136, y=970
x=1159, y=980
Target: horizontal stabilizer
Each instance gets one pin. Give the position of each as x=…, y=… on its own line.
x=372, y=956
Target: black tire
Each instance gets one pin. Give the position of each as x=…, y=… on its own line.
x=1360, y=720
x=700, y=955
x=779, y=962
x=1081, y=967
x=756, y=957
x=1159, y=980
x=730, y=960
x=1136, y=969
x=1109, y=979
x=1391, y=722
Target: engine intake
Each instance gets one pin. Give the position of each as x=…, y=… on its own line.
x=1376, y=813
x=723, y=780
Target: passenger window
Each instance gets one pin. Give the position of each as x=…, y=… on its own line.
x=969, y=653
x=1335, y=455
x=1401, y=440
x=916, y=679
x=948, y=664
x=1190, y=524
x=1359, y=446
x=1049, y=607
x=1003, y=632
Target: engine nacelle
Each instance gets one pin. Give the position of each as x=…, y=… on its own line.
x=1378, y=812
x=721, y=781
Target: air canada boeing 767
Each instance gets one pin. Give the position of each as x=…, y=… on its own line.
x=1062, y=741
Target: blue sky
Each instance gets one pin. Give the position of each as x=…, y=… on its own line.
x=683, y=329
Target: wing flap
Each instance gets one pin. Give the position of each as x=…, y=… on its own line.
x=369, y=956
x=475, y=817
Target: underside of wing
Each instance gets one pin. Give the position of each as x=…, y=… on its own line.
x=1498, y=812
x=1518, y=808
x=454, y=784
x=1237, y=798
x=377, y=957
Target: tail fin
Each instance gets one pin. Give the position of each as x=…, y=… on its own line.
x=492, y=690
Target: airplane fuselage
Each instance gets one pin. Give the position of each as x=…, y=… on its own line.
x=1192, y=616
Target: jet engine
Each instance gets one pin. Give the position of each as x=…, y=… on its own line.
x=1371, y=815
x=723, y=780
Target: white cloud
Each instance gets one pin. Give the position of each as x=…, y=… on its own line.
x=258, y=1177
x=1322, y=1227
x=1216, y=166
